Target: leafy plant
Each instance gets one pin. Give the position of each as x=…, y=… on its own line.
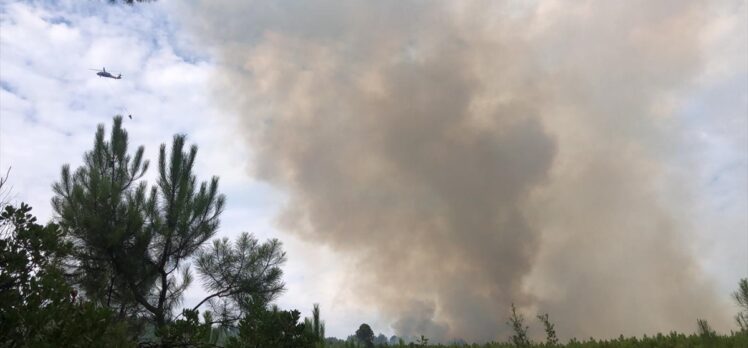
x=38, y=308
x=550, y=331
x=517, y=323
x=741, y=296
x=271, y=328
x=704, y=329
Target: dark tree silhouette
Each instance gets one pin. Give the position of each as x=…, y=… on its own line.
x=38, y=308
x=741, y=295
x=365, y=334
x=132, y=244
x=517, y=323
x=137, y=240
x=550, y=330
x=263, y=327
x=102, y=209
x=240, y=275
x=315, y=326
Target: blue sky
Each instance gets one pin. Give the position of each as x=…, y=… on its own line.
x=50, y=104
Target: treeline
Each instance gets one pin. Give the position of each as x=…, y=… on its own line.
x=672, y=340
x=704, y=337
x=111, y=268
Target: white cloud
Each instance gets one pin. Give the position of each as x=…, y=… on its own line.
x=50, y=104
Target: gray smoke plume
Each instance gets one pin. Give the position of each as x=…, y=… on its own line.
x=477, y=154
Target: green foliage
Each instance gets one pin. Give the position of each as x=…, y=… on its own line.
x=182, y=217
x=517, y=323
x=30, y=256
x=71, y=324
x=126, y=247
x=422, y=341
x=704, y=329
x=672, y=340
x=244, y=273
x=741, y=296
x=37, y=306
x=101, y=207
x=187, y=331
x=550, y=330
x=132, y=244
x=274, y=328
x=316, y=327
x=365, y=335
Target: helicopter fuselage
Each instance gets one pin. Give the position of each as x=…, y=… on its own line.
x=107, y=74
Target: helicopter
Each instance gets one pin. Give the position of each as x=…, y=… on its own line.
x=104, y=73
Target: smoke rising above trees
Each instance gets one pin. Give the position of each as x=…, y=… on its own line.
x=473, y=155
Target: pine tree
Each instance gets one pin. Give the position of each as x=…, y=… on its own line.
x=132, y=246
x=101, y=206
x=182, y=217
x=241, y=275
x=742, y=297
x=315, y=326
x=132, y=243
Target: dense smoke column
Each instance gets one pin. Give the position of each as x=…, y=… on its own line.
x=477, y=155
